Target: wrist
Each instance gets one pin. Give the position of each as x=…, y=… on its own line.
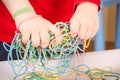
x=27, y=19
x=24, y=16
x=87, y=5
x=23, y=13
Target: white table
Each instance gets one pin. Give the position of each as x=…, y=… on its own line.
x=98, y=59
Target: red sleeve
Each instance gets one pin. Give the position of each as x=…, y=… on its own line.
x=97, y=2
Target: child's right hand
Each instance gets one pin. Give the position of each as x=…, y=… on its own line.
x=37, y=29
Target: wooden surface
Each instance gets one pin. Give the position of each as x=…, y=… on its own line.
x=109, y=45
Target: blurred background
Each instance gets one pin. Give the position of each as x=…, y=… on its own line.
x=109, y=15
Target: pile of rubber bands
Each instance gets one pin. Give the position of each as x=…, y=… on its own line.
x=56, y=62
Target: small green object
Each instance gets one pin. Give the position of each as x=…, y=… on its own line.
x=23, y=10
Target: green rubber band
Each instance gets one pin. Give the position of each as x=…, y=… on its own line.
x=23, y=10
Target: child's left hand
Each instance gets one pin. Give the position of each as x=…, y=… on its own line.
x=85, y=20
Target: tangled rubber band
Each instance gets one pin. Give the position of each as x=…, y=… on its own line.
x=56, y=62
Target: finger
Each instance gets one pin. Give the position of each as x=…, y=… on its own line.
x=56, y=31
x=93, y=26
x=89, y=27
x=35, y=37
x=25, y=37
x=83, y=31
x=44, y=36
x=93, y=33
x=74, y=28
x=88, y=35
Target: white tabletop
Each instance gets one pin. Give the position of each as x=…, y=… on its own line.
x=98, y=59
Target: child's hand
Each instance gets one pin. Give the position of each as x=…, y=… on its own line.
x=37, y=29
x=85, y=20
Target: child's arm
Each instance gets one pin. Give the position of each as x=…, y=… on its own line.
x=85, y=20
x=36, y=28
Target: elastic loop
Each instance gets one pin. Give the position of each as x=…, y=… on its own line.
x=21, y=11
